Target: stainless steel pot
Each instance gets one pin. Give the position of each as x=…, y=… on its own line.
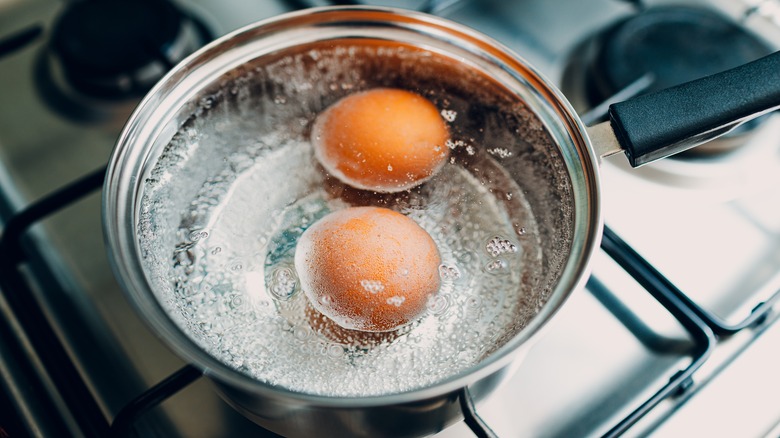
x=546, y=150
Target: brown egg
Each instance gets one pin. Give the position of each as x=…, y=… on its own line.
x=368, y=268
x=385, y=140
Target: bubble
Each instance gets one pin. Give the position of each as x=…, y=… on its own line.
x=334, y=351
x=301, y=333
x=262, y=304
x=188, y=290
x=396, y=300
x=207, y=286
x=449, y=115
x=473, y=302
x=438, y=304
x=496, y=266
x=235, y=302
x=454, y=144
x=500, y=152
x=372, y=286
x=449, y=272
x=283, y=283
x=473, y=308
x=197, y=235
x=497, y=246
x=207, y=102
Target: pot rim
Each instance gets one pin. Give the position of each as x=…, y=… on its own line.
x=124, y=179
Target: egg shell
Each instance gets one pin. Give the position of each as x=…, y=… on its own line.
x=384, y=139
x=368, y=268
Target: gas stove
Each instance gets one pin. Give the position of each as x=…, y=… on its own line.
x=675, y=333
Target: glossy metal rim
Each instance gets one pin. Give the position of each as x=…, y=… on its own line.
x=133, y=154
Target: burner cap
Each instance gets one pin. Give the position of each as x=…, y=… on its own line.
x=676, y=44
x=120, y=48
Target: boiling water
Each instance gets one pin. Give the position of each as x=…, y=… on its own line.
x=239, y=293
x=235, y=290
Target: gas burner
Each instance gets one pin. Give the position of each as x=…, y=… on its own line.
x=664, y=46
x=675, y=44
x=103, y=53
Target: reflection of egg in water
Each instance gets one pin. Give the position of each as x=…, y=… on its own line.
x=368, y=268
x=386, y=140
x=340, y=335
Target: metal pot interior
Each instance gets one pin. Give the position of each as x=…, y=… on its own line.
x=214, y=178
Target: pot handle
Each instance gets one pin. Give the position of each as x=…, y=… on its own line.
x=659, y=124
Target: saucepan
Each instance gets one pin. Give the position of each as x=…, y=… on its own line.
x=213, y=181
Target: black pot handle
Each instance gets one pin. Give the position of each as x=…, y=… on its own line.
x=660, y=124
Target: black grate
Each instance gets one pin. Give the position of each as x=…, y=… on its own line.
x=18, y=40
x=657, y=285
x=35, y=325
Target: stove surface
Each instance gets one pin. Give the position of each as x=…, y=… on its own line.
x=710, y=225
